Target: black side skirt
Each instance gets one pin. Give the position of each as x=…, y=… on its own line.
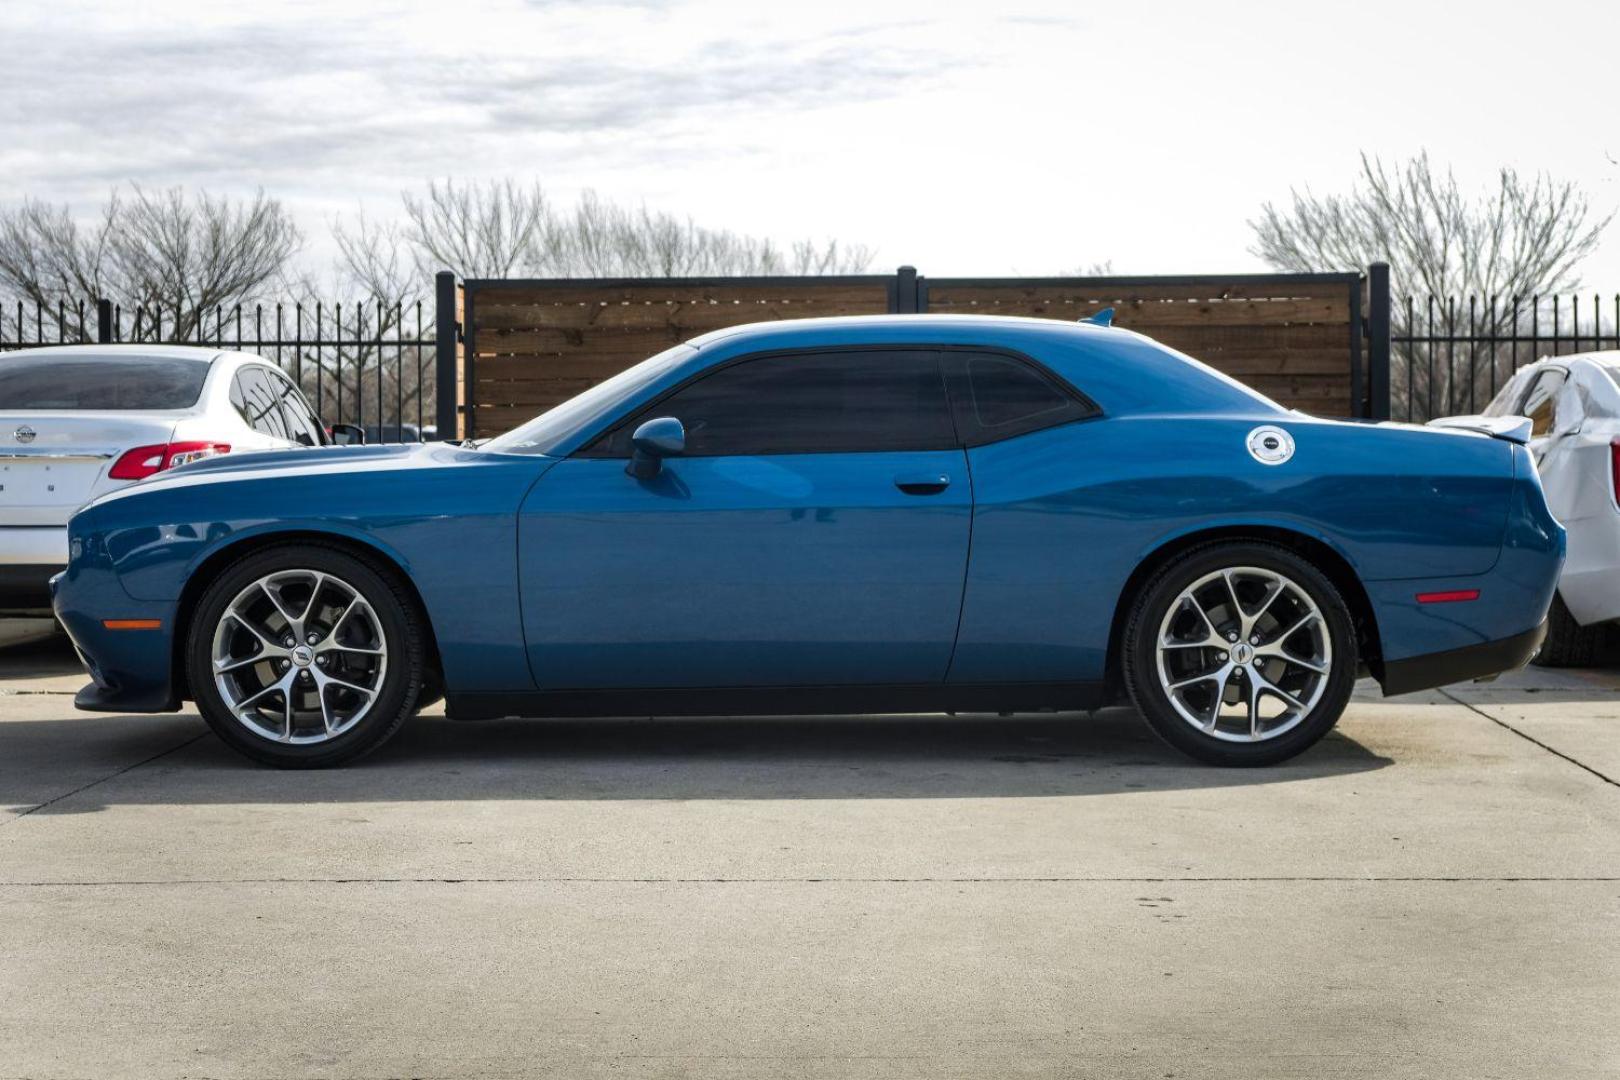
x=782, y=700
x=1460, y=665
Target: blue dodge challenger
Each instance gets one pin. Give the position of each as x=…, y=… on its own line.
x=881, y=514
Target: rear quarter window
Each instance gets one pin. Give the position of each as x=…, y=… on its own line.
x=127, y=383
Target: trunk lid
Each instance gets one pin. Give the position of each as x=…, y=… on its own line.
x=52, y=463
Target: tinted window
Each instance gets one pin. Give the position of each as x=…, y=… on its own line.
x=256, y=398
x=302, y=425
x=811, y=403
x=1004, y=391
x=84, y=382
x=1540, y=399
x=999, y=396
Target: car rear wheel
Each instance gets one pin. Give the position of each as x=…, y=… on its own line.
x=305, y=656
x=1569, y=644
x=1240, y=654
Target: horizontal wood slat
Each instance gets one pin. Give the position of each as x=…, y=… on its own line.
x=1144, y=314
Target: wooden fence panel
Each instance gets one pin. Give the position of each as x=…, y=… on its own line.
x=1295, y=339
x=532, y=344
x=535, y=344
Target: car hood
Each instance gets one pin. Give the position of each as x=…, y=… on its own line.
x=296, y=463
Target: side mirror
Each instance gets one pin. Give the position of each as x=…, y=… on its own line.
x=652, y=442
x=347, y=434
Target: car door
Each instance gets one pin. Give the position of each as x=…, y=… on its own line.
x=815, y=533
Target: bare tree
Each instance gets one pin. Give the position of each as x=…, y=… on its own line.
x=492, y=230
x=1522, y=239
x=500, y=229
x=185, y=256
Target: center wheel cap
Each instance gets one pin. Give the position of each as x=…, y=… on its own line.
x=1242, y=652
x=303, y=656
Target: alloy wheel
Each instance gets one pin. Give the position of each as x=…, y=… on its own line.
x=299, y=657
x=1244, y=654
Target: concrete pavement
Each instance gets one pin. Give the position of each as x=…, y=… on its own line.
x=1435, y=890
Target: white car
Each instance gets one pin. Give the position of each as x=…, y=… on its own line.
x=1573, y=404
x=78, y=421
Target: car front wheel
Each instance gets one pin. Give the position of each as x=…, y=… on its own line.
x=305, y=656
x=1240, y=654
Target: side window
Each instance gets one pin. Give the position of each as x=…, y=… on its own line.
x=1539, y=400
x=808, y=403
x=258, y=401
x=998, y=396
x=302, y=426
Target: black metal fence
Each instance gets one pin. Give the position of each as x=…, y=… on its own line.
x=1451, y=355
x=368, y=363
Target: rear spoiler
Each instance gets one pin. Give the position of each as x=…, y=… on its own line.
x=1514, y=429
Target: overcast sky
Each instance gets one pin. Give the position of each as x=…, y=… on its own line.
x=998, y=137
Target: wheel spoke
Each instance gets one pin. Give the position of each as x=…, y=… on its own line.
x=1237, y=606
x=1253, y=691
x=1277, y=589
x=279, y=686
x=233, y=663
x=332, y=680
x=1264, y=685
x=1276, y=643
x=293, y=625
x=326, y=708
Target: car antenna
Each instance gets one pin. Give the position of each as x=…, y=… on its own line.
x=1105, y=317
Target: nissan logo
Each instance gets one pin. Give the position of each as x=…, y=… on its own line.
x=24, y=434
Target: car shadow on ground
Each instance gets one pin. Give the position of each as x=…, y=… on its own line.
x=886, y=757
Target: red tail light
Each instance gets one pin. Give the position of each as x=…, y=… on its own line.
x=1614, y=466
x=143, y=461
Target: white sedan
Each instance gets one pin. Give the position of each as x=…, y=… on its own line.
x=77, y=421
x=1573, y=403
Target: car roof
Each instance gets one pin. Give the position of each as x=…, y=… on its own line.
x=922, y=329
x=200, y=354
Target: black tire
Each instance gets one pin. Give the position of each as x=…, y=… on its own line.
x=1140, y=653
x=398, y=692
x=1568, y=643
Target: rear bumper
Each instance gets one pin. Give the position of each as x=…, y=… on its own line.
x=29, y=556
x=1461, y=665
x=25, y=588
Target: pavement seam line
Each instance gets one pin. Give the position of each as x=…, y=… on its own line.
x=1470, y=706
x=1128, y=880
x=104, y=779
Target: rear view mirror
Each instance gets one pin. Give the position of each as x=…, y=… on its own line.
x=652, y=442
x=347, y=434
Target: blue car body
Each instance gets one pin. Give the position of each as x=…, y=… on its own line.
x=554, y=583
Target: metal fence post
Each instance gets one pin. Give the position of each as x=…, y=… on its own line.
x=105, y=331
x=1378, y=345
x=905, y=290
x=444, y=343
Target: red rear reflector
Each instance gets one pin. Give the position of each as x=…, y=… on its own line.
x=1450, y=597
x=132, y=624
x=143, y=461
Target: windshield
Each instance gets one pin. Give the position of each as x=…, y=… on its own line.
x=556, y=425
x=98, y=382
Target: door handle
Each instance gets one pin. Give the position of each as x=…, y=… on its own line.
x=922, y=483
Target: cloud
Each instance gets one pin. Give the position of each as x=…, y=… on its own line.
x=383, y=99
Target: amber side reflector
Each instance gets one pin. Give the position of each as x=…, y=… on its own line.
x=1451, y=597
x=132, y=624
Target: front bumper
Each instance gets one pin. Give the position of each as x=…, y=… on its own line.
x=1461, y=665
x=132, y=669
